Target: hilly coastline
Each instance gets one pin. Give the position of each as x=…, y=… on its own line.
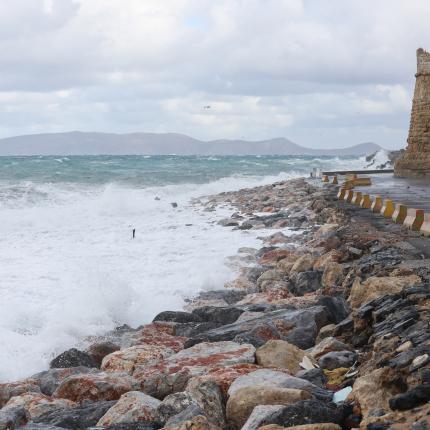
x=83, y=143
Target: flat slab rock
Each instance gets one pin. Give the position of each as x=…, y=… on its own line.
x=81, y=417
x=299, y=327
x=172, y=374
x=274, y=378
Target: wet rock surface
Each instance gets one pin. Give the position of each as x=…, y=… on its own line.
x=333, y=307
x=80, y=417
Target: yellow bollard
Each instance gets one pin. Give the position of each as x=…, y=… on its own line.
x=366, y=202
x=388, y=208
x=425, y=228
x=400, y=213
x=335, y=181
x=414, y=219
x=341, y=193
x=325, y=178
x=377, y=205
x=349, y=196
x=356, y=200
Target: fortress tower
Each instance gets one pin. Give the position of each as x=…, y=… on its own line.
x=416, y=160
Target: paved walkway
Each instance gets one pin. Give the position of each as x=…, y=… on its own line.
x=414, y=193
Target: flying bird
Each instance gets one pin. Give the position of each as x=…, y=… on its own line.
x=206, y=107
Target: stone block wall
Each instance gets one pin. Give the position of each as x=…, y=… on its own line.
x=416, y=160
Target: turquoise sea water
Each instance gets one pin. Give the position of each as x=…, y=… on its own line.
x=69, y=267
x=144, y=171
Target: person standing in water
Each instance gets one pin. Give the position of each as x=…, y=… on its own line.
x=134, y=233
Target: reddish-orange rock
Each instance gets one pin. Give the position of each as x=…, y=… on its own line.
x=95, y=386
x=272, y=257
x=127, y=359
x=9, y=390
x=172, y=374
x=224, y=376
x=38, y=404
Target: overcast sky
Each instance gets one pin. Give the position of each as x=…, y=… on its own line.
x=323, y=73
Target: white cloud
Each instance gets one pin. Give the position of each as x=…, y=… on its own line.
x=306, y=69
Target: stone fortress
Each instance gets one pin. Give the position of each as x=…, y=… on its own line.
x=416, y=159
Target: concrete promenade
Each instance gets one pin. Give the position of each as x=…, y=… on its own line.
x=414, y=193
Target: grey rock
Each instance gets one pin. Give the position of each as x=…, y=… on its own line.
x=315, y=376
x=209, y=397
x=261, y=415
x=99, y=350
x=172, y=405
x=49, y=380
x=268, y=377
x=185, y=415
x=194, y=328
x=306, y=282
x=299, y=413
x=253, y=273
x=222, y=315
x=230, y=296
x=86, y=415
x=177, y=316
x=11, y=418
x=303, y=326
x=72, y=358
x=337, y=307
x=412, y=398
x=228, y=222
x=335, y=359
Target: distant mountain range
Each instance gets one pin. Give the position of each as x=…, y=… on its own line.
x=82, y=143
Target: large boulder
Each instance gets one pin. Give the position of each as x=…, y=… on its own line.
x=127, y=359
x=242, y=402
x=373, y=391
x=304, y=263
x=174, y=404
x=95, y=386
x=81, y=417
x=190, y=419
x=275, y=378
x=329, y=344
x=209, y=397
x=13, y=417
x=337, y=359
x=172, y=374
x=37, y=404
x=132, y=407
x=224, y=376
x=177, y=317
x=374, y=287
x=216, y=314
x=73, y=358
x=49, y=380
x=280, y=354
x=306, y=282
x=11, y=389
x=99, y=350
x=332, y=275
x=299, y=413
x=299, y=326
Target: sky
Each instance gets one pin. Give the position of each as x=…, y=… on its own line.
x=322, y=73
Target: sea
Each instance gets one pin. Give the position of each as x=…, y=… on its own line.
x=69, y=266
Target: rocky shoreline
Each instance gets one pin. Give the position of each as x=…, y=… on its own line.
x=327, y=328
